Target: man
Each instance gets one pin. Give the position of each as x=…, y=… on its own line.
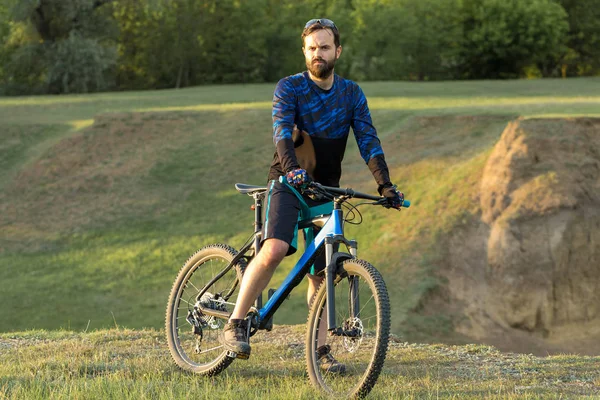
x=323, y=106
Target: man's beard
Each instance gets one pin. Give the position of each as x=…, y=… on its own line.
x=321, y=70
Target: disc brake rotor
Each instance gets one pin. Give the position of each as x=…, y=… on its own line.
x=351, y=344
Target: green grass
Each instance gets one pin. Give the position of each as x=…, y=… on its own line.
x=533, y=97
x=124, y=364
x=96, y=221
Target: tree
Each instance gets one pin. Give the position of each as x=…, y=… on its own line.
x=503, y=37
x=375, y=40
x=56, y=19
x=431, y=35
x=237, y=52
x=583, y=56
x=177, y=43
x=4, y=34
x=60, y=46
x=284, y=20
x=407, y=39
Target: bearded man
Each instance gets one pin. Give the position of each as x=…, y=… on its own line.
x=313, y=112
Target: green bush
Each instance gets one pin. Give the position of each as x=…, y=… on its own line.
x=55, y=46
x=80, y=65
x=583, y=56
x=26, y=70
x=503, y=37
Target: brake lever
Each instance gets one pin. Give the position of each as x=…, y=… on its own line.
x=315, y=192
x=384, y=203
x=313, y=195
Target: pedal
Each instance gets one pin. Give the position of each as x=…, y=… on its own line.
x=233, y=354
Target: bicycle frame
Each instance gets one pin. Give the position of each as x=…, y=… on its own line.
x=331, y=233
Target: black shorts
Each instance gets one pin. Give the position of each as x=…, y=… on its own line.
x=282, y=208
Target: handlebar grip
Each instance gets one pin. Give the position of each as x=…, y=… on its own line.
x=406, y=203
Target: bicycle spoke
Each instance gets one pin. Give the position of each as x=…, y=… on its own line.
x=361, y=310
x=213, y=348
x=197, y=290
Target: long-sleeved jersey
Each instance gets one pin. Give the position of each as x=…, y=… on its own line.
x=327, y=116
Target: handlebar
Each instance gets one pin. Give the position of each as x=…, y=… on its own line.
x=317, y=187
x=352, y=194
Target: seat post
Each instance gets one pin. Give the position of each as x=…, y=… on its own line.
x=258, y=206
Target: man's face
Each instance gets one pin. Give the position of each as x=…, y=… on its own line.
x=320, y=53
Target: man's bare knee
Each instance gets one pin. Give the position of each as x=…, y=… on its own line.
x=273, y=251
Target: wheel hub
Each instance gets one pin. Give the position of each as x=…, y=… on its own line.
x=354, y=325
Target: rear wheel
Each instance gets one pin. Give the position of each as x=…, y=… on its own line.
x=193, y=337
x=363, y=314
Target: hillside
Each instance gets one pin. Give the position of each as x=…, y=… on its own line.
x=103, y=197
x=120, y=363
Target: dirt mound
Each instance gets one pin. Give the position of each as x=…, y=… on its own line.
x=93, y=177
x=527, y=275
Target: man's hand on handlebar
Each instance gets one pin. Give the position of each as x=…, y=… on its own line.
x=391, y=197
x=298, y=178
x=394, y=198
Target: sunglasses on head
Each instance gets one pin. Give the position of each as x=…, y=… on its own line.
x=327, y=23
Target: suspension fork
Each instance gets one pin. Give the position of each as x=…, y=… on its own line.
x=353, y=298
x=333, y=257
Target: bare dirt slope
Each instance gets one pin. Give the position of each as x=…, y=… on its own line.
x=92, y=175
x=527, y=274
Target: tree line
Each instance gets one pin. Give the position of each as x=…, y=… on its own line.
x=78, y=46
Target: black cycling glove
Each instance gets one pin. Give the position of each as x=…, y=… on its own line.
x=395, y=199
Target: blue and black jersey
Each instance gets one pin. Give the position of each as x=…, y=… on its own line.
x=327, y=116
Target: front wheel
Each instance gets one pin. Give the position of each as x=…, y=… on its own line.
x=360, y=345
x=193, y=337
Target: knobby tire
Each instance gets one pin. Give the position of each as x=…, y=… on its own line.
x=198, y=270
x=362, y=355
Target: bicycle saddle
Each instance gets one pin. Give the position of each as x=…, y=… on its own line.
x=249, y=189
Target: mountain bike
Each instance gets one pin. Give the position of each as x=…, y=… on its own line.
x=350, y=311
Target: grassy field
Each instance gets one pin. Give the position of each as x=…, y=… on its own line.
x=528, y=98
x=103, y=197
x=126, y=364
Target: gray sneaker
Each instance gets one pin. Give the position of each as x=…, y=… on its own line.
x=328, y=363
x=235, y=338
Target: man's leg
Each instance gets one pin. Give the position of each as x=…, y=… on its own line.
x=313, y=285
x=279, y=230
x=327, y=362
x=255, y=280
x=258, y=275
